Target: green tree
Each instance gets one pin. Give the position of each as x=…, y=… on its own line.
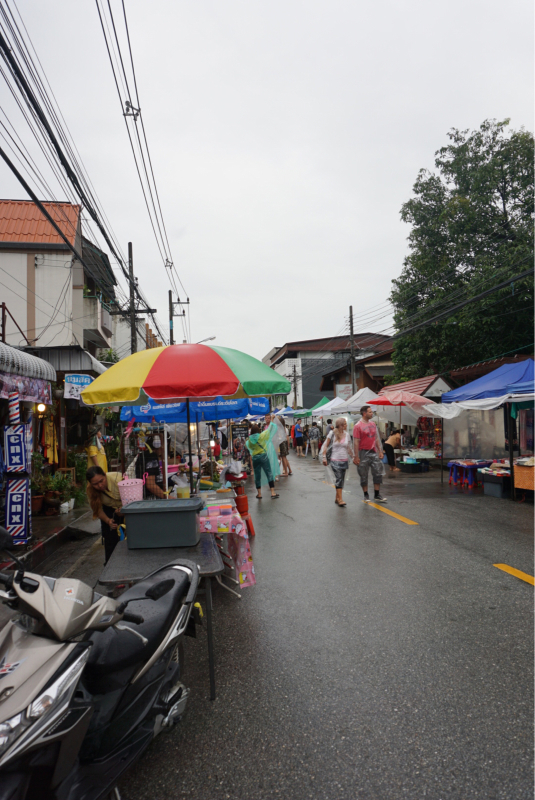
x=472, y=228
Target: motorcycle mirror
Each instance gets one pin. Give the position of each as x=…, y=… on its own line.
x=6, y=540
x=159, y=589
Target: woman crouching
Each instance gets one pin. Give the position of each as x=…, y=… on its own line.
x=105, y=501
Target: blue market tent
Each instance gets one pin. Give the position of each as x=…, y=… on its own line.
x=200, y=411
x=504, y=380
x=524, y=387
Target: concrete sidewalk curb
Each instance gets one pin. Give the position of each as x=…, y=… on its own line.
x=44, y=548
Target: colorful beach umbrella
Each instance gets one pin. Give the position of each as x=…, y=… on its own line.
x=184, y=372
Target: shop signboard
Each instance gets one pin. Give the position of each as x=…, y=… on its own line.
x=74, y=384
x=17, y=508
x=15, y=448
x=33, y=390
x=344, y=390
x=240, y=432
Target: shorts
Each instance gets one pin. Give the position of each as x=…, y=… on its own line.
x=299, y=441
x=283, y=449
x=370, y=460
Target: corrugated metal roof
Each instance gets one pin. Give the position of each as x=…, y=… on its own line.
x=22, y=222
x=18, y=362
x=417, y=386
x=70, y=359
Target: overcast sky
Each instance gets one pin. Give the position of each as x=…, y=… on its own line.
x=284, y=135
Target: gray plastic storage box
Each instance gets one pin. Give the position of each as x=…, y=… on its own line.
x=163, y=523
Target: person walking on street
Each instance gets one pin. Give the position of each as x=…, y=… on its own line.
x=329, y=426
x=368, y=454
x=392, y=443
x=298, y=432
x=314, y=437
x=283, y=452
x=341, y=453
x=292, y=436
x=266, y=469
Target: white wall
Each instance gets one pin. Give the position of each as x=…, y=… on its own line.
x=285, y=368
x=13, y=293
x=53, y=300
x=52, y=296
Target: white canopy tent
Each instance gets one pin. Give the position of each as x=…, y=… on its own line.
x=329, y=408
x=356, y=401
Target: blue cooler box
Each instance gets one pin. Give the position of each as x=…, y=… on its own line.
x=162, y=523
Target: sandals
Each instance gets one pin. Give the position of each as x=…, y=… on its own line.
x=274, y=496
x=258, y=496
x=342, y=505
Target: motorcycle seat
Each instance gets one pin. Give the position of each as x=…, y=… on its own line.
x=113, y=651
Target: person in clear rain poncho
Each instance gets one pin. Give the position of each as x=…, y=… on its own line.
x=262, y=447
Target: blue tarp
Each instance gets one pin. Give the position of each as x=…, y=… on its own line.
x=200, y=411
x=524, y=387
x=501, y=381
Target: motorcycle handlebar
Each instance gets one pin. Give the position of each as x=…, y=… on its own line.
x=6, y=578
x=135, y=618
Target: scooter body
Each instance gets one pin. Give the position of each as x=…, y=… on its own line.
x=82, y=693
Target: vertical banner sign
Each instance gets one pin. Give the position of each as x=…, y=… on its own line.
x=17, y=508
x=17, y=442
x=15, y=453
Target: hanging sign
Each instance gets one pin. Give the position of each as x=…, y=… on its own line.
x=17, y=508
x=74, y=384
x=15, y=448
x=29, y=389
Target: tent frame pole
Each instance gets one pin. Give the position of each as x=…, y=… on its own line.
x=189, y=448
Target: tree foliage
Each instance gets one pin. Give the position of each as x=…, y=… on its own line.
x=472, y=228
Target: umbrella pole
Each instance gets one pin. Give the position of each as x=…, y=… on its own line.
x=442, y=450
x=189, y=448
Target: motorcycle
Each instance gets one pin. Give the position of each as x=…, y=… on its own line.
x=82, y=693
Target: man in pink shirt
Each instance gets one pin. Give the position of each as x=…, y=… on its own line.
x=368, y=454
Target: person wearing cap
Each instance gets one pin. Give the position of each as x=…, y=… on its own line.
x=96, y=455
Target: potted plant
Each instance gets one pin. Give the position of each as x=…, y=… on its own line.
x=37, y=483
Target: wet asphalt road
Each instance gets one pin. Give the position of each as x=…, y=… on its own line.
x=374, y=659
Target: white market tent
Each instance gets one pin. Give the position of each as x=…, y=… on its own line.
x=329, y=408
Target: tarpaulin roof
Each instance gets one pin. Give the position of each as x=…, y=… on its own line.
x=495, y=384
x=523, y=387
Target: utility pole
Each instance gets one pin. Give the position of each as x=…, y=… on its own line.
x=352, y=353
x=295, y=385
x=171, y=315
x=133, y=332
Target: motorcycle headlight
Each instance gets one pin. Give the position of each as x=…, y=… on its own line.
x=10, y=730
x=60, y=691
x=31, y=721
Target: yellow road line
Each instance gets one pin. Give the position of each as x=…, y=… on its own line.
x=392, y=513
x=517, y=573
